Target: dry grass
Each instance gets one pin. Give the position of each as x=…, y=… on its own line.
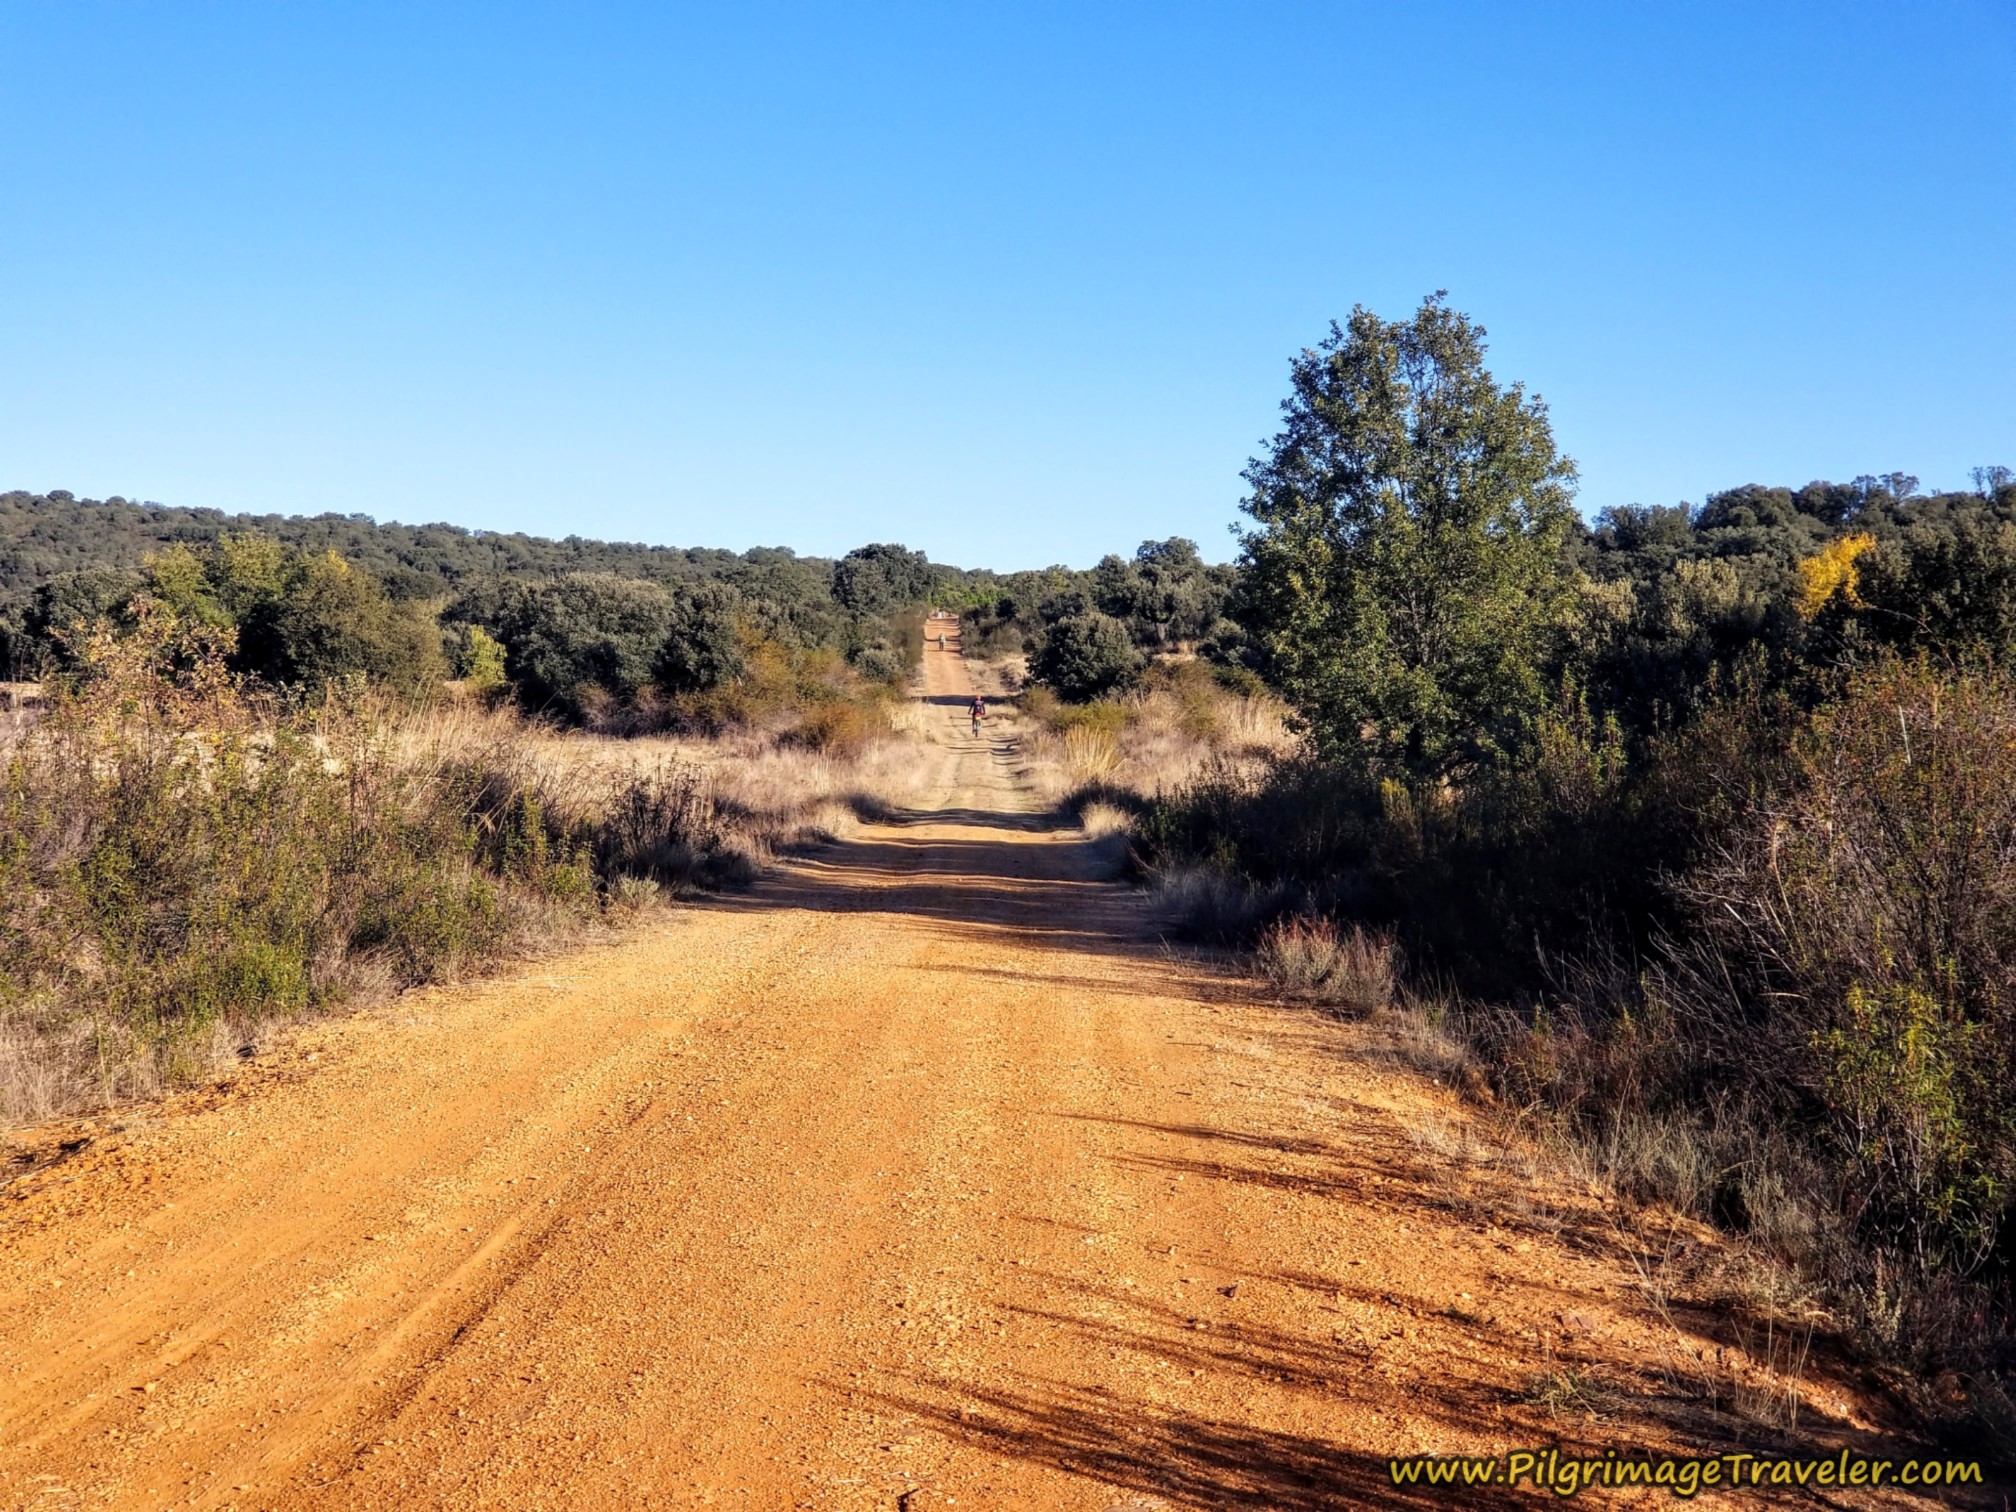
x=767, y=794
x=1091, y=755
x=186, y=867
x=1350, y=969
x=1415, y=1034
x=1567, y=1391
x=1154, y=739
x=1759, y=1374
x=1209, y=904
x=1100, y=819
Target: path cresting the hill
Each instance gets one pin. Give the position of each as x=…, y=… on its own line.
x=922, y=1174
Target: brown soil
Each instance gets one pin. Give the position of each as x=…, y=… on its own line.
x=922, y=1175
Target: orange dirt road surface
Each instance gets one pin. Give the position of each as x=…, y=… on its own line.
x=920, y=1176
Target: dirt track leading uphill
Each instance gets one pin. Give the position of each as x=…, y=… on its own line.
x=921, y=1175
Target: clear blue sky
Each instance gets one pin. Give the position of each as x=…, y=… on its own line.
x=1011, y=283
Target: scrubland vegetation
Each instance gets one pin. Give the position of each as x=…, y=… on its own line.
x=1686, y=840
x=257, y=767
x=197, y=848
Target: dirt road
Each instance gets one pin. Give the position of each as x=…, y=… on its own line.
x=920, y=1176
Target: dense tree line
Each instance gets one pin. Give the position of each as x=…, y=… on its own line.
x=1089, y=634
x=43, y=536
x=572, y=622
x=1795, y=584
x=578, y=628
x=65, y=560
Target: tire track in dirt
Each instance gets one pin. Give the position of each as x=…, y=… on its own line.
x=918, y=1176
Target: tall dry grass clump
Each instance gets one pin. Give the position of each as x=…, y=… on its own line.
x=1346, y=967
x=1114, y=762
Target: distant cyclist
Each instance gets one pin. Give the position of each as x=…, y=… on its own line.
x=978, y=711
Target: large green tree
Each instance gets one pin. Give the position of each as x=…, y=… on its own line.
x=1166, y=594
x=874, y=580
x=1405, y=572
x=330, y=620
x=702, y=648
x=1085, y=656
x=581, y=638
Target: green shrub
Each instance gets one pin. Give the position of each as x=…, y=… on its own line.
x=1919, y=1110
x=1084, y=656
x=479, y=659
x=430, y=922
x=327, y=621
x=584, y=638
x=702, y=647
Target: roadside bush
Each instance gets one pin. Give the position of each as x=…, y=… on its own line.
x=662, y=825
x=1871, y=896
x=1297, y=825
x=1178, y=725
x=839, y=728
x=1040, y=704
x=1210, y=904
x=1084, y=656
x=1487, y=881
x=1917, y=1108
x=800, y=695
